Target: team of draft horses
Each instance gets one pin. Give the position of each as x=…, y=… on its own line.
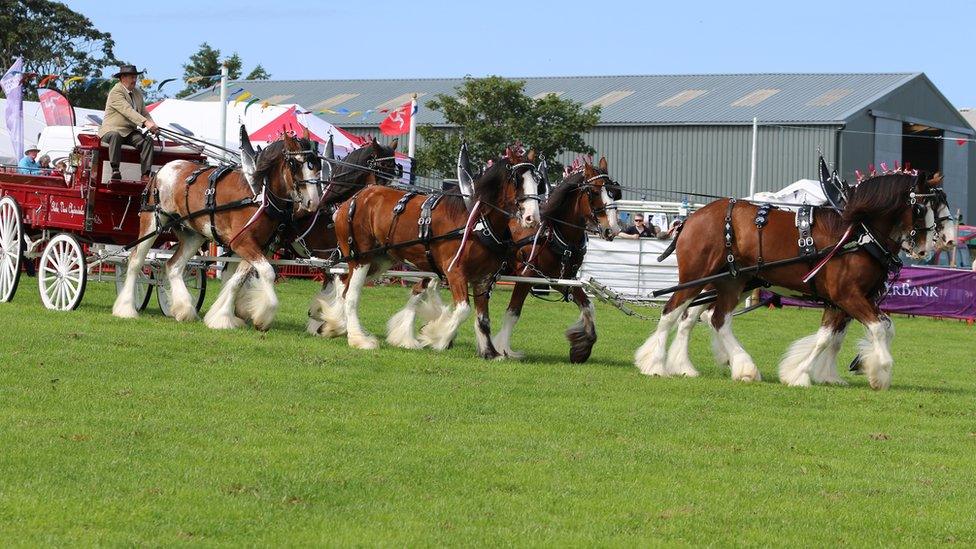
x=507, y=219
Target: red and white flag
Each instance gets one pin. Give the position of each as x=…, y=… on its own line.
x=56, y=107
x=398, y=121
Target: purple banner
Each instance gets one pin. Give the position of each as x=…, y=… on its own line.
x=925, y=291
x=15, y=106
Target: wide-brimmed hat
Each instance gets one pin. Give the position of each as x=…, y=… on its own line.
x=31, y=148
x=127, y=69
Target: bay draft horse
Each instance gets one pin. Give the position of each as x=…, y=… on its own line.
x=286, y=172
x=884, y=209
x=583, y=199
x=371, y=237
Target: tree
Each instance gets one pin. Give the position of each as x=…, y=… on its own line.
x=258, y=74
x=491, y=113
x=206, y=62
x=53, y=39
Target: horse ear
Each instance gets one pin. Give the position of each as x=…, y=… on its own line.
x=372, y=140
x=531, y=156
x=394, y=143
x=603, y=163
x=509, y=154
x=935, y=181
x=307, y=134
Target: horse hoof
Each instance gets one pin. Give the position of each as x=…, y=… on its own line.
x=514, y=355
x=125, y=312
x=835, y=381
x=224, y=323
x=364, y=342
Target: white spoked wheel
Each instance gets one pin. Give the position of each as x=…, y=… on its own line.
x=195, y=278
x=11, y=247
x=62, y=273
x=144, y=285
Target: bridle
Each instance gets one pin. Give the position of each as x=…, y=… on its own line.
x=530, y=167
x=294, y=160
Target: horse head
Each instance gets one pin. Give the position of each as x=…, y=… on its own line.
x=943, y=223
x=524, y=191
x=601, y=192
x=298, y=173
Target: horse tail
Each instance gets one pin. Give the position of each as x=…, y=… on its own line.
x=674, y=244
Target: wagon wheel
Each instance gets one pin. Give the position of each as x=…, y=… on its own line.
x=11, y=247
x=62, y=273
x=144, y=285
x=195, y=277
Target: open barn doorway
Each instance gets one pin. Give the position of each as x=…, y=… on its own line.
x=921, y=147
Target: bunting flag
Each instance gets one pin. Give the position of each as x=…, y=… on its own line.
x=235, y=92
x=146, y=82
x=47, y=79
x=249, y=103
x=69, y=81
x=265, y=105
x=193, y=79
x=242, y=97
x=342, y=110
x=354, y=113
x=163, y=83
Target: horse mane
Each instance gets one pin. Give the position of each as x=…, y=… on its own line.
x=562, y=193
x=487, y=187
x=878, y=196
x=348, y=174
x=270, y=156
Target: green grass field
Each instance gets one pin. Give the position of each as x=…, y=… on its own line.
x=150, y=432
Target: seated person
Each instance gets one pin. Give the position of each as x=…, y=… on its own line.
x=45, y=162
x=28, y=164
x=639, y=230
x=125, y=113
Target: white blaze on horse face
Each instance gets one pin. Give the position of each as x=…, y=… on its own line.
x=530, y=205
x=611, y=217
x=949, y=231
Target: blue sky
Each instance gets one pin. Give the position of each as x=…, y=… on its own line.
x=380, y=39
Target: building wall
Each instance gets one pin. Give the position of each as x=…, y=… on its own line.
x=664, y=162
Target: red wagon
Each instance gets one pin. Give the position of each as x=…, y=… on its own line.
x=76, y=224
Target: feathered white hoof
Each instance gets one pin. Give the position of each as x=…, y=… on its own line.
x=125, y=310
x=223, y=322
x=183, y=312
x=743, y=369
x=363, y=341
x=646, y=360
x=399, y=330
x=509, y=353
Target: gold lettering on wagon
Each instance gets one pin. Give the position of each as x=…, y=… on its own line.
x=69, y=208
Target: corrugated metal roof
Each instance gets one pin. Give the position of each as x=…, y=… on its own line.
x=718, y=99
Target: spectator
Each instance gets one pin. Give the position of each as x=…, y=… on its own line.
x=28, y=164
x=639, y=230
x=45, y=163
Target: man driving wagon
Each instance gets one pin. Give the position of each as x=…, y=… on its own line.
x=125, y=113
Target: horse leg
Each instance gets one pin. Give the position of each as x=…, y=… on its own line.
x=181, y=302
x=482, y=323
x=439, y=333
x=875, y=349
x=124, y=306
x=825, y=369
x=399, y=329
x=801, y=361
x=326, y=314
x=650, y=357
x=357, y=337
x=257, y=300
x=582, y=334
x=741, y=364
x=503, y=340
x=679, y=363
x=221, y=313
x=431, y=306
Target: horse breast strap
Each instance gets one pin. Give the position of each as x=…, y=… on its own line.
x=210, y=198
x=423, y=223
x=804, y=224
x=730, y=240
